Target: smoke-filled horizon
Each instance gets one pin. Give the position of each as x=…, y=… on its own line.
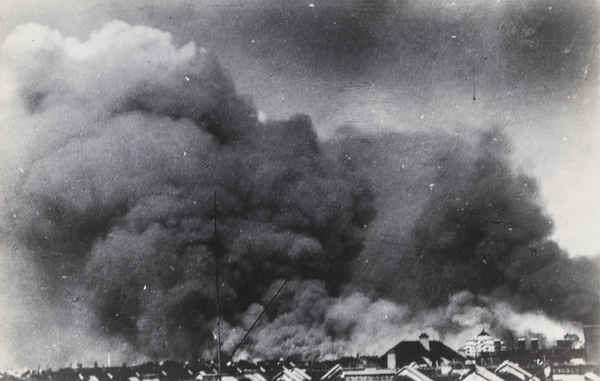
x=115, y=145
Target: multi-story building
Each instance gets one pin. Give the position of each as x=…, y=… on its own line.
x=483, y=344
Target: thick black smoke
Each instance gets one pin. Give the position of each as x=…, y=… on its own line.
x=455, y=216
x=116, y=146
x=130, y=138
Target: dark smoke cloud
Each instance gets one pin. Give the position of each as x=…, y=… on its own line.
x=116, y=146
x=130, y=136
x=454, y=216
x=460, y=242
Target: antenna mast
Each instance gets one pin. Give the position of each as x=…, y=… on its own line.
x=217, y=283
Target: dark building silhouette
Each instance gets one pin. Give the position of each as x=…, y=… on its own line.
x=424, y=352
x=535, y=344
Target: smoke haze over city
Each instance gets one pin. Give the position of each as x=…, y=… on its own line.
x=406, y=168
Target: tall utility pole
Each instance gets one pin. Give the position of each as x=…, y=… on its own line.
x=216, y=250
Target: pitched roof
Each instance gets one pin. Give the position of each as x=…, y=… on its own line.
x=508, y=367
x=479, y=373
x=591, y=376
x=333, y=372
x=254, y=377
x=374, y=372
x=294, y=374
x=413, y=374
x=413, y=351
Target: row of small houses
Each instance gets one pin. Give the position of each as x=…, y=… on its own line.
x=422, y=360
x=507, y=371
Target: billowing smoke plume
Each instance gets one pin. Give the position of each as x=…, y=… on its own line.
x=460, y=243
x=309, y=324
x=114, y=147
x=454, y=216
x=128, y=137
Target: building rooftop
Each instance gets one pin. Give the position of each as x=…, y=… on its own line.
x=413, y=351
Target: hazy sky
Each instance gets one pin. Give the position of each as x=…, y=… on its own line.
x=398, y=65
x=459, y=82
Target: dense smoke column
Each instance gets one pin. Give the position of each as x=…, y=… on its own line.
x=484, y=231
x=476, y=217
x=460, y=241
x=455, y=216
x=130, y=136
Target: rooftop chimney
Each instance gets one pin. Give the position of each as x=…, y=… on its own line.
x=535, y=344
x=424, y=339
x=391, y=359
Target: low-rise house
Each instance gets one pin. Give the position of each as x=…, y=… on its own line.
x=479, y=373
x=513, y=372
x=293, y=374
x=337, y=373
x=571, y=372
x=589, y=376
x=410, y=373
x=253, y=377
x=422, y=352
x=334, y=373
x=369, y=374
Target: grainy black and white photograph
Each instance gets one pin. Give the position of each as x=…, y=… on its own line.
x=299, y=190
